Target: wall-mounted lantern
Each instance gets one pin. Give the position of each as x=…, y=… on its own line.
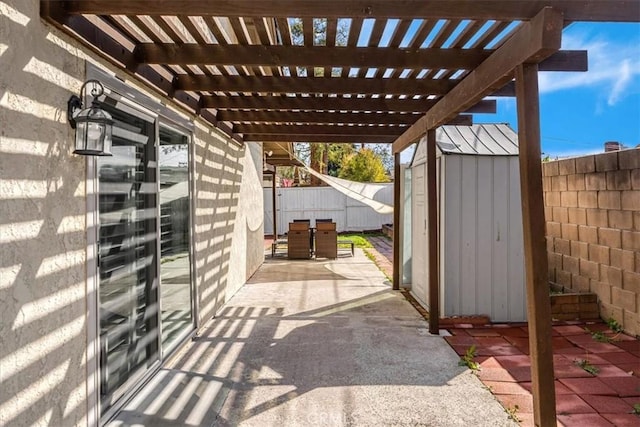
x=93, y=125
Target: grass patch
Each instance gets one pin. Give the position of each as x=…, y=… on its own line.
x=359, y=239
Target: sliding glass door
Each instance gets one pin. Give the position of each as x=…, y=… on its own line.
x=175, y=232
x=128, y=261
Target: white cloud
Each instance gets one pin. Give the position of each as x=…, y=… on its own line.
x=624, y=78
x=613, y=66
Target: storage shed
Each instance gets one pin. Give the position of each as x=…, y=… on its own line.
x=481, y=243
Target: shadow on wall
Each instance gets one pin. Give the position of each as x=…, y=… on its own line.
x=218, y=181
x=42, y=227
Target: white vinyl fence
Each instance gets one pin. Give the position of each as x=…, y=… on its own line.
x=324, y=202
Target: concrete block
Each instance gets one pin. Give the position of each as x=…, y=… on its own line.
x=555, y=260
x=602, y=289
x=552, y=198
x=595, y=181
x=579, y=249
x=570, y=231
x=635, y=179
x=631, y=281
x=588, y=234
x=631, y=240
x=609, y=237
x=580, y=283
x=623, y=299
x=622, y=259
x=578, y=216
x=571, y=264
x=630, y=200
x=611, y=310
x=546, y=183
x=585, y=164
x=597, y=217
x=567, y=166
x=586, y=199
x=636, y=221
x=619, y=180
x=554, y=229
x=569, y=199
x=599, y=254
x=550, y=168
x=611, y=275
x=548, y=212
x=563, y=278
x=589, y=269
x=559, y=183
x=562, y=246
x=622, y=220
x=560, y=214
x=607, y=161
x=576, y=182
x=609, y=200
x=631, y=322
x=629, y=159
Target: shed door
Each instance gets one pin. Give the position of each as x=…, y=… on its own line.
x=419, y=235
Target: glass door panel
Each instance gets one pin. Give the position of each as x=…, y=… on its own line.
x=128, y=262
x=175, y=214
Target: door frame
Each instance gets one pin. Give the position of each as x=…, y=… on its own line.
x=133, y=98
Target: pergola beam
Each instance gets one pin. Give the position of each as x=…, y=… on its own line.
x=531, y=43
x=313, y=130
x=328, y=85
x=502, y=10
x=331, y=104
x=339, y=56
x=290, y=137
x=317, y=117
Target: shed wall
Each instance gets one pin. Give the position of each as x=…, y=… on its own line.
x=483, y=266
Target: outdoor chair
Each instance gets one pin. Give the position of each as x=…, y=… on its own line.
x=299, y=240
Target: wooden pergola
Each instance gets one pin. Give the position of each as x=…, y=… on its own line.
x=381, y=71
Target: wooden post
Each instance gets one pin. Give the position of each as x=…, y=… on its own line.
x=432, y=232
x=273, y=198
x=396, y=222
x=535, y=253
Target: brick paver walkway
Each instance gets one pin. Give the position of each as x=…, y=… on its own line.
x=604, y=397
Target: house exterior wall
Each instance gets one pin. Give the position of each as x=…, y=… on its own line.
x=592, y=208
x=45, y=316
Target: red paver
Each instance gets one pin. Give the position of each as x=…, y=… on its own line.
x=600, y=347
x=624, y=386
x=505, y=349
x=622, y=420
x=630, y=346
x=570, y=371
x=483, y=332
x=560, y=388
x=495, y=374
x=588, y=386
x=630, y=368
x=609, y=404
x=583, y=420
x=569, y=329
x=461, y=340
x=611, y=371
x=620, y=357
x=502, y=387
x=523, y=401
x=513, y=361
x=572, y=404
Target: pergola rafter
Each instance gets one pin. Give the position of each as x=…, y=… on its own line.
x=241, y=66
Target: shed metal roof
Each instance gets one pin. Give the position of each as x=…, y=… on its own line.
x=481, y=139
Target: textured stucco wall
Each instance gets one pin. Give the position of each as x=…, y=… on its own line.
x=43, y=297
x=229, y=216
x=42, y=226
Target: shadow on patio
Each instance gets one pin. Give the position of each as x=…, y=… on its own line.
x=315, y=343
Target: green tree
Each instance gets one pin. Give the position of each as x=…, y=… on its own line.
x=337, y=156
x=363, y=166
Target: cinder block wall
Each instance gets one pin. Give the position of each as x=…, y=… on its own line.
x=592, y=208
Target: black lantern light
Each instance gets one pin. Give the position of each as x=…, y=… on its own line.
x=93, y=125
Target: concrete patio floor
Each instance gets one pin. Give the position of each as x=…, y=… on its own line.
x=315, y=342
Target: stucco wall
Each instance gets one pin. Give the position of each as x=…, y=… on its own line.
x=42, y=223
x=229, y=217
x=592, y=208
x=43, y=237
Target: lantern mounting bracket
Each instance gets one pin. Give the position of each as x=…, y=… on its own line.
x=74, y=104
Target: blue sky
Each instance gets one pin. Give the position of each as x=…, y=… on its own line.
x=580, y=111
